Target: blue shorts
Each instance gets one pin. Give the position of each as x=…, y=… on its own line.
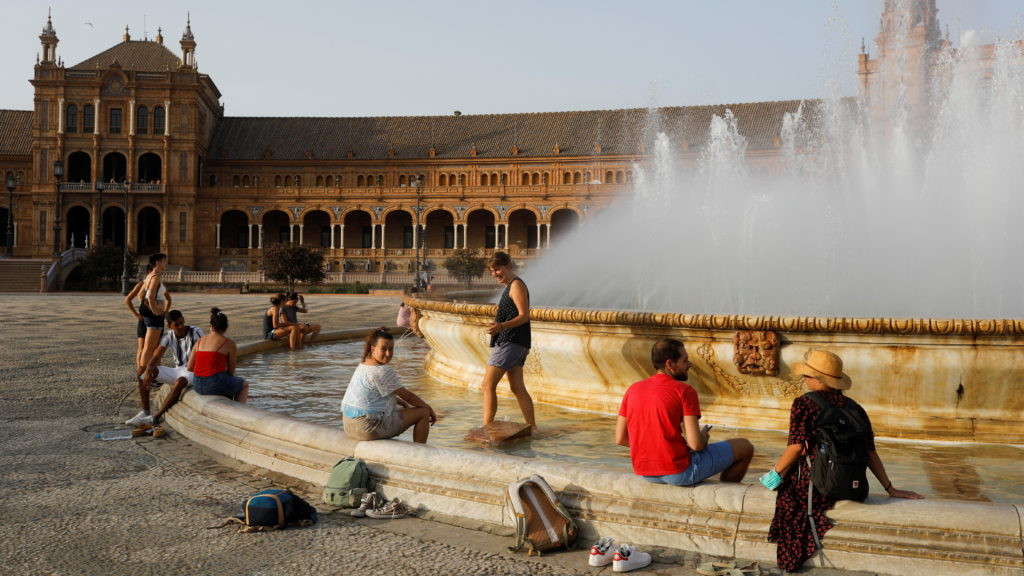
x=712, y=460
x=508, y=355
x=220, y=384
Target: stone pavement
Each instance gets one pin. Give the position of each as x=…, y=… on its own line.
x=73, y=505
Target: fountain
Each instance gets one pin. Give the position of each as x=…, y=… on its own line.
x=883, y=250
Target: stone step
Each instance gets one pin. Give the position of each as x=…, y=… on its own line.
x=20, y=275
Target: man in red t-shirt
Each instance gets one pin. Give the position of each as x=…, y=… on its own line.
x=659, y=421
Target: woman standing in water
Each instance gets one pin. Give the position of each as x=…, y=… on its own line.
x=510, y=340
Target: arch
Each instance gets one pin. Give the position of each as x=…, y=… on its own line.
x=402, y=180
x=481, y=231
x=609, y=177
x=245, y=181
x=79, y=167
x=586, y=178
x=619, y=176
x=525, y=180
x=88, y=118
x=563, y=222
x=150, y=168
x=535, y=180
x=442, y=180
x=319, y=181
x=577, y=178
x=158, y=119
x=485, y=179
x=277, y=181
x=71, y=119
x=522, y=228
x=398, y=229
x=112, y=225
x=360, y=181
x=79, y=225
x=147, y=229
x=256, y=181
x=235, y=181
x=440, y=229
x=276, y=227
x=234, y=229
x=142, y=120
x=115, y=167
x=288, y=181
x=358, y=229
x=316, y=229
x=566, y=178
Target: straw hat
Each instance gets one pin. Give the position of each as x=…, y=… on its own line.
x=826, y=367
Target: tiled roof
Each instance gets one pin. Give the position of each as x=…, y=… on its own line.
x=137, y=55
x=15, y=132
x=493, y=135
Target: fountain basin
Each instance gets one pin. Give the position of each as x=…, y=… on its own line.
x=948, y=380
x=884, y=536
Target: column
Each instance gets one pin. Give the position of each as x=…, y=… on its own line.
x=465, y=235
x=167, y=123
x=300, y=232
x=415, y=236
x=547, y=233
x=505, y=243
x=248, y=228
x=291, y=233
x=131, y=117
x=382, y=236
x=259, y=235
x=539, y=226
x=96, y=118
x=332, y=236
x=218, y=237
x=341, y=236
x=60, y=116
x=129, y=238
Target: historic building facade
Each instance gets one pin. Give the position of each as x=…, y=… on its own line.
x=131, y=145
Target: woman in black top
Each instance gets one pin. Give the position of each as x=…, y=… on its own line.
x=510, y=339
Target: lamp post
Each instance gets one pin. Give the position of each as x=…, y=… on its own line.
x=125, y=275
x=10, y=214
x=58, y=173
x=417, y=280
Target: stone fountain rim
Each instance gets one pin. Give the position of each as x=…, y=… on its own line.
x=812, y=324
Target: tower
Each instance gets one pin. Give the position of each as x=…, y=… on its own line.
x=49, y=41
x=188, y=46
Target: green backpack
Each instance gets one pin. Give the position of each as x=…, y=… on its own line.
x=349, y=481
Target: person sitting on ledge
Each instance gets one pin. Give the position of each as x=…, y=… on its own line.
x=822, y=372
x=272, y=328
x=180, y=338
x=376, y=405
x=293, y=304
x=404, y=316
x=659, y=422
x=212, y=361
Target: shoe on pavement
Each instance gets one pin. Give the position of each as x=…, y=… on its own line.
x=601, y=553
x=628, y=558
x=147, y=420
x=368, y=502
x=137, y=419
x=390, y=511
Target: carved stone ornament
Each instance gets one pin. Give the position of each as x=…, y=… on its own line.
x=543, y=209
x=337, y=211
x=501, y=208
x=114, y=86
x=296, y=211
x=756, y=352
x=460, y=209
x=255, y=210
x=378, y=210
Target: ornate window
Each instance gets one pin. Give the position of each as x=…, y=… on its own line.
x=115, y=121
x=88, y=118
x=158, y=120
x=142, y=120
x=72, y=119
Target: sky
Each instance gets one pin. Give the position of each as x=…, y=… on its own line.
x=432, y=57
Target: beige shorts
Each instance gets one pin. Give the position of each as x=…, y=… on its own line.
x=369, y=428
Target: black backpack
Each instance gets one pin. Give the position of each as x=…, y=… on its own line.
x=272, y=509
x=840, y=464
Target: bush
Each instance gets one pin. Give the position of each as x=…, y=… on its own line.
x=103, y=265
x=466, y=264
x=291, y=263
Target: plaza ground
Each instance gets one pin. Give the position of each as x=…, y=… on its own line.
x=74, y=505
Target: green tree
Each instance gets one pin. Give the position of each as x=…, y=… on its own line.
x=466, y=264
x=291, y=263
x=104, y=264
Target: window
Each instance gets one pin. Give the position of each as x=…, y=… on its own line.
x=245, y=181
x=72, y=119
x=442, y=180
x=360, y=181
x=380, y=180
x=566, y=178
x=608, y=177
x=367, y=237
x=484, y=179
x=183, y=125
x=88, y=118
x=234, y=181
x=407, y=237
x=213, y=180
x=401, y=180
x=449, y=237
x=183, y=167
x=504, y=179
x=142, y=120
x=489, y=236
x=44, y=164
x=182, y=227
x=42, y=226
x=462, y=179
x=287, y=181
x=44, y=115
x=298, y=181
x=115, y=120
x=319, y=181
x=158, y=120
x=277, y=181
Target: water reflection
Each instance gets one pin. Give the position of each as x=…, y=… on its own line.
x=309, y=385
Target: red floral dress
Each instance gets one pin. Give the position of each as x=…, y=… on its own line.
x=790, y=528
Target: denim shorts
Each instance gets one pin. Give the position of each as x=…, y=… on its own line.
x=154, y=322
x=508, y=355
x=140, y=330
x=712, y=460
x=220, y=384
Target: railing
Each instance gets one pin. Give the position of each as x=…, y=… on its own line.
x=69, y=257
x=76, y=186
x=396, y=277
x=109, y=187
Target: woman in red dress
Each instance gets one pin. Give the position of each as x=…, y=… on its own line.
x=822, y=372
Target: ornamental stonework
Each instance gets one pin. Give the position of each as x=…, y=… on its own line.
x=756, y=352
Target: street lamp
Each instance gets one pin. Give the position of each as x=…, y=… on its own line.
x=125, y=276
x=10, y=214
x=417, y=280
x=58, y=173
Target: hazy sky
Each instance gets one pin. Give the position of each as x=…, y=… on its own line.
x=423, y=57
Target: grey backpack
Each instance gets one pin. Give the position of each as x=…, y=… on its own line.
x=349, y=481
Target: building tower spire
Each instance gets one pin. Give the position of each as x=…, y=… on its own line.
x=188, y=45
x=49, y=41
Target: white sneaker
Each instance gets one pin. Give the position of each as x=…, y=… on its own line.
x=147, y=420
x=601, y=552
x=628, y=558
x=368, y=502
x=137, y=419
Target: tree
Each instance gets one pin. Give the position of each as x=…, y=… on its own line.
x=466, y=264
x=291, y=263
x=104, y=264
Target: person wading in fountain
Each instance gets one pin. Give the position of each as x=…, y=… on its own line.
x=510, y=339
x=659, y=421
x=822, y=372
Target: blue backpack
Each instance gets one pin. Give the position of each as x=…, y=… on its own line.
x=273, y=509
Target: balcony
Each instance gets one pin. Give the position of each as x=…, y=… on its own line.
x=111, y=187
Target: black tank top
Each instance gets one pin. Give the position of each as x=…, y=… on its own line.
x=507, y=310
x=268, y=324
